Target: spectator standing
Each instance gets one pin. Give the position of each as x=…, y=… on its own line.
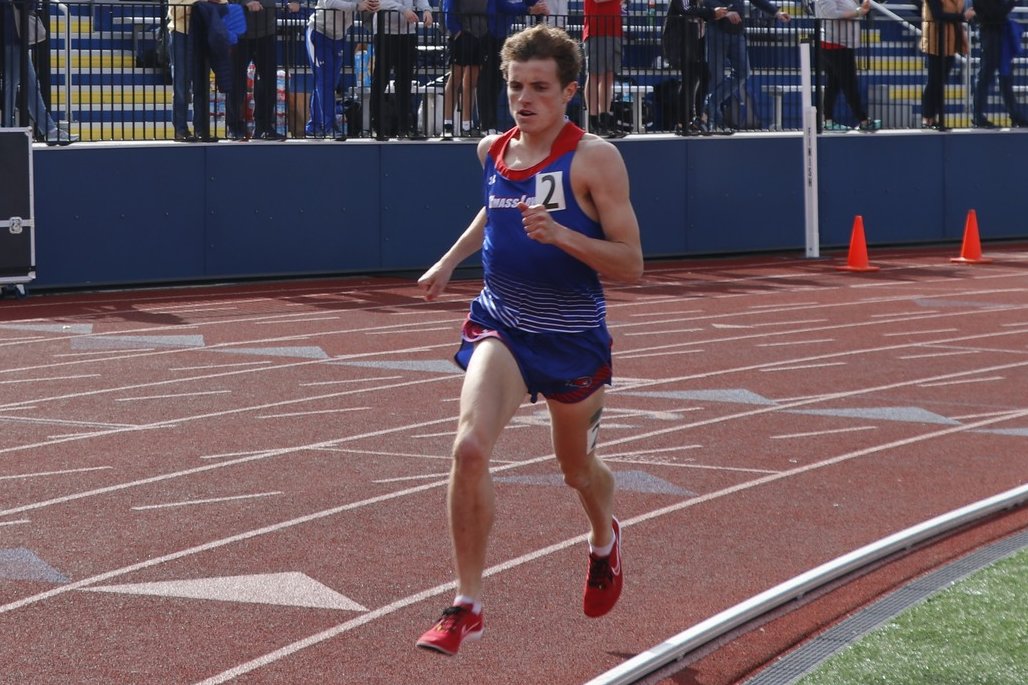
x=396, y=48
x=996, y=31
x=180, y=53
x=727, y=50
x=326, y=51
x=839, y=42
x=43, y=123
x=686, y=51
x=942, y=38
x=490, y=80
x=601, y=38
x=468, y=28
x=257, y=45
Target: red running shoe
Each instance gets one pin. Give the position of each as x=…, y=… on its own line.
x=604, y=582
x=458, y=623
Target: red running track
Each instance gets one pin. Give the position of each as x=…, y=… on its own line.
x=246, y=483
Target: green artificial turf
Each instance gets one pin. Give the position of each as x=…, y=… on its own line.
x=973, y=633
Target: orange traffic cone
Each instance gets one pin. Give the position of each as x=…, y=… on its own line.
x=857, y=259
x=971, y=250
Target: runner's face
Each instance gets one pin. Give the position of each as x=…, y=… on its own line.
x=535, y=95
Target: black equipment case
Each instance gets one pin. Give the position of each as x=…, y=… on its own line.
x=17, y=219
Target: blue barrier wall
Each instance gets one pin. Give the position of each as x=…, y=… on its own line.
x=121, y=215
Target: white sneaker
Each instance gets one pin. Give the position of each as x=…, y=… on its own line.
x=60, y=137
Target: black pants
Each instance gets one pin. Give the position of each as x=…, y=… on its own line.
x=260, y=51
x=490, y=82
x=394, y=53
x=841, y=76
x=932, y=98
x=694, y=76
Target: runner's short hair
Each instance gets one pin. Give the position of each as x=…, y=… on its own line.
x=543, y=41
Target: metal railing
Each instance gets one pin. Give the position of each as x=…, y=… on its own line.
x=107, y=76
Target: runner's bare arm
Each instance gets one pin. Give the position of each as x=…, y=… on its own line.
x=435, y=280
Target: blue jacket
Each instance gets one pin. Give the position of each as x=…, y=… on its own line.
x=501, y=15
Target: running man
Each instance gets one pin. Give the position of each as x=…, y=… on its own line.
x=556, y=215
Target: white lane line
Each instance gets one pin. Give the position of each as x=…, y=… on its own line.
x=290, y=415
x=211, y=500
x=24, y=339
x=349, y=380
x=48, y=379
x=427, y=476
x=702, y=467
x=988, y=379
x=25, y=601
x=800, y=367
x=415, y=327
x=632, y=355
x=203, y=367
x=299, y=320
x=1020, y=323
x=930, y=332
x=170, y=396
x=38, y=474
x=930, y=355
x=663, y=314
x=796, y=342
x=125, y=354
x=779, y=304
x=96, y=425
x=916, y=312
x=410, y=600
x=665, y=331
x=14, y=523
x=815, y=434
x=228, y=455
x=211, y=467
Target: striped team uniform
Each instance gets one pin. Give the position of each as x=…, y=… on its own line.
x=545, y=305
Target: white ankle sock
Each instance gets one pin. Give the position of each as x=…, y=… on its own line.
x=604, y=551
x=476, y=606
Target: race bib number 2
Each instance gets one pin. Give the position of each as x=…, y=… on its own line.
x=549, y=190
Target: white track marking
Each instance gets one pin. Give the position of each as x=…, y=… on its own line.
x=801, y=367
x=796, y=342
x=39, y=474
x=172, y=396
x=25, y=601
x=49, y=379
x=958, y=382
x=410, y=600
x=290, y=415
x=210, y=500
x=817, y=434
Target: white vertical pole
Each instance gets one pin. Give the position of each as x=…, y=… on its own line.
x=813, y=240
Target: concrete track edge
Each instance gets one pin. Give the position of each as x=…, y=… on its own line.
x=706, y=631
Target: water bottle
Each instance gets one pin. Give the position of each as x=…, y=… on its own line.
x=651, y=13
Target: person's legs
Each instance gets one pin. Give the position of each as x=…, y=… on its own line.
x=489, y=80
x=469, y=83
x=989, y=62
x=379, y=81
x=831, y=94
x=235, y=99
x=740, y=62
x=492, y=392
x=44, y=125
x=850, y=83
x=406, y=61
x=264, y=85
x=1006, y=89
x=179, y=51
x=717, y=49
x=573, y=429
